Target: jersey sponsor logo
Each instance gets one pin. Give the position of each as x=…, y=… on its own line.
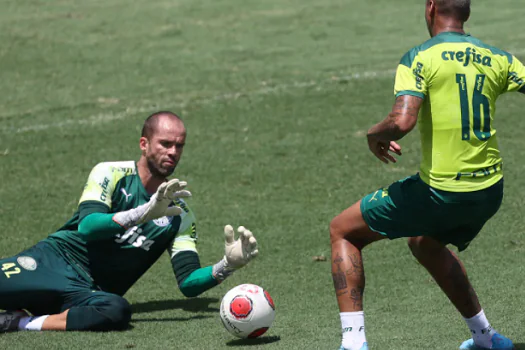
x=481, y=172
x=104, y=185
x=123, y=190
x=126, y=171
x=163, y=221
x=27, y=263
x=513, y=76
x=417, y=73
x=466, y=57
x=133, y=236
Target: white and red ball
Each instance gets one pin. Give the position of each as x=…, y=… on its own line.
x=247, y=311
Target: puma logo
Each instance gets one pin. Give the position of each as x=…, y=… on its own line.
x=126, y=194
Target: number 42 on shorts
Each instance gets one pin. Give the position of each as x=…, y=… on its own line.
x=10, y=269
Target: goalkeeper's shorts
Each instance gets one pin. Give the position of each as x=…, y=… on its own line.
x=410, y=207
x=40, y=281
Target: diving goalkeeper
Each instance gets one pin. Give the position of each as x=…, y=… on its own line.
x=128, y=215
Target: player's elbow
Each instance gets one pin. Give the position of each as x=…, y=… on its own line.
x=405, y=124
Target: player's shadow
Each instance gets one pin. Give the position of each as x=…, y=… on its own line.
x=519, y=346
x=170, y=319
x=192, y=305
x=256, y=341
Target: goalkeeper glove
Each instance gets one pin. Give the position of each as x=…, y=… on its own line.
x=157, y=207
x=238, y=252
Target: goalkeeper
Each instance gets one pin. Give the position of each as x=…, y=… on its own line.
x=128, y=215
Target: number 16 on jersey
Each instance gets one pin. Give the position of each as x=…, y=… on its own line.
x=479, y=101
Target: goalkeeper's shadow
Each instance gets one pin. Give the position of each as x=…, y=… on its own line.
x=191, y=305
x=255, y=341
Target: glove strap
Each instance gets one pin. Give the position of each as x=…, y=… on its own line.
x=221, y=270
x=130, y=218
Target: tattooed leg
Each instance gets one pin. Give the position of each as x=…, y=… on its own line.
x=349, y=234
x=339, y=277
x=448, y=272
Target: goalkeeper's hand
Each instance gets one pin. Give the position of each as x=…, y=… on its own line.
x=237, y=253
x=157, y=207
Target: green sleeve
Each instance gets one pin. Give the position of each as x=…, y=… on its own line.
x=193, y=279
x=198, y=282
x=90, y=207
x=97, y=226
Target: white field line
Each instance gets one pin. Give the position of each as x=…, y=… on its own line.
x=108, y=117
x=267, y=90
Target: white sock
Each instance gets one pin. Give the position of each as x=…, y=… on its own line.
x=481, y=330
x=29, y=323
x=353, y=324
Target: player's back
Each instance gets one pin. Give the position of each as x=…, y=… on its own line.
x=460, y=79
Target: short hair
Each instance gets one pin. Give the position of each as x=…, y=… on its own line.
x=458, y=9
x=151, y=122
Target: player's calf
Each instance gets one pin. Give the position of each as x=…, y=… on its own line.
x=349, y=234
x=103, y=312
x=449, y=273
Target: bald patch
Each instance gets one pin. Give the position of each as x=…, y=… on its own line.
x=457, y=9
x=153, y=121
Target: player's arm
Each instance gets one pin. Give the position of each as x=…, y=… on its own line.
x=516, y=77
x=401, y=120
x=95, y=218
x=382, y=136
x=410, y=90
x=193, y=279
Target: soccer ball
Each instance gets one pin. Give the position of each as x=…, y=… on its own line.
x=247, y=311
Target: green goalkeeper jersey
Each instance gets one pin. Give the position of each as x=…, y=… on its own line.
x=115, y=263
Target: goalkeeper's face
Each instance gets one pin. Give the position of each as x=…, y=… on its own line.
x=163, y=148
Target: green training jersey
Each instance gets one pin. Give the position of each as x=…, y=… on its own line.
x=459, y=77
x=116, y=263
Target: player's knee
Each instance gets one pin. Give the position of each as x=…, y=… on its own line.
x=337, y=231
x=342, y=227
x=424, y=247
x=414, y=245
x=113, y=313
x=118, y=312
x=105, y=312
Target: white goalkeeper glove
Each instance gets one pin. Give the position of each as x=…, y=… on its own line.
x=237, y=253
x=157, y=207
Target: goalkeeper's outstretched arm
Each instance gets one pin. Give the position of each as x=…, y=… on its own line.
x=100, y=224
x=194, y=280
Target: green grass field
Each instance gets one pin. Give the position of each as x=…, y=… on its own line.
x=277, y=96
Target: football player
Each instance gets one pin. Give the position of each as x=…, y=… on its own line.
x=128, y=215
x=450, y=84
